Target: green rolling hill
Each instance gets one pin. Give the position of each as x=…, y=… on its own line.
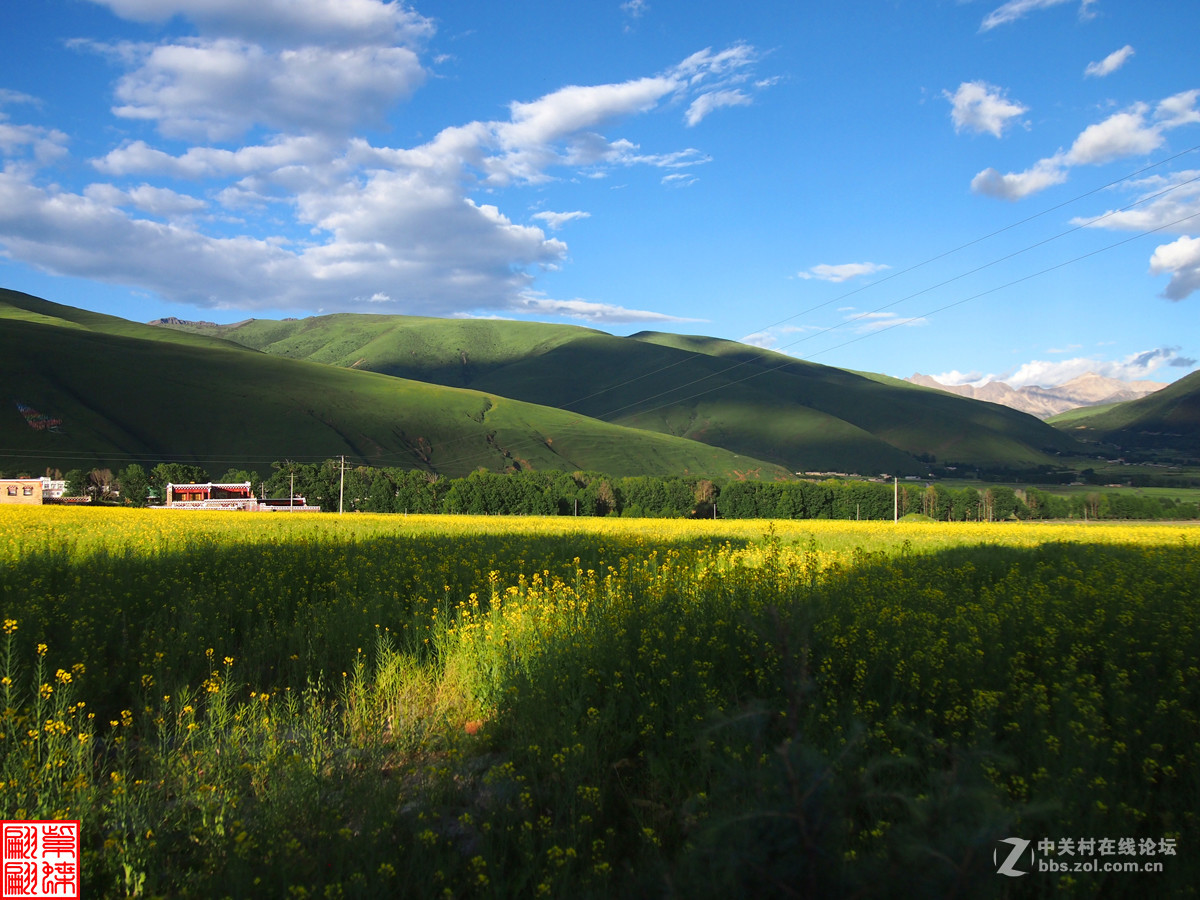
x=1166, y=422
x=80, y=389
x=800, y=415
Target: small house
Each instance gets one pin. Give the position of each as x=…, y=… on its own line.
x=21, y=490
x=210, y=495
x=229, y=496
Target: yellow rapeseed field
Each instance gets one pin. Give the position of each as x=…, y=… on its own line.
x=513, y=706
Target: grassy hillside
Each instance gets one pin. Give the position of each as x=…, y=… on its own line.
x=1167, y=421
x=125, y=391
x=801, y=415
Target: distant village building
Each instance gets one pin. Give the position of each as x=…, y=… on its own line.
x=229, y=496
x=53, y=488
x=31, y=490
x=26, y=491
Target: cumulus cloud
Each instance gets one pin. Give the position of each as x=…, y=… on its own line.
x=1019, y=9
x=138, y=157
x=147, y=198
x=982, y=108
x=1139, y=366
x=1162, y=202
x=1110, y=63
x=18, y=143
x=1123, y=134
x=285, y=21
x=1136, y=131
x=398, y=228
x=218, y=89
x=1181, y=259
x=39, y=146
x=287, y=65
x=843, y=272
x=1015, y=185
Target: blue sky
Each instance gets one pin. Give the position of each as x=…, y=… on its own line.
x=965, y=189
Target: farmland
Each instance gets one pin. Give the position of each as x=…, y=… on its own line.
x=360, y=706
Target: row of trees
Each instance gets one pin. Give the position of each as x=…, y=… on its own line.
x=551, y=493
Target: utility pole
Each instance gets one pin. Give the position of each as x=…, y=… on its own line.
x=292, y=491
x=895, y=499
x=342, y=486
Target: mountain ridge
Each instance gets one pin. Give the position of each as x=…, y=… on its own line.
x=798, y=414
x=124, y=391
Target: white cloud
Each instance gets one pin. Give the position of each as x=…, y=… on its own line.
x=147, y=198
x=1162, y=205
x=1015, y=185
x=1134, y=367
x=866, y=323
x=1179, y=109
x=1123, y=134
x=635, y=9
x=764, y=339
x=286, y=21
x=1110, y=63
x=769, y=338
x=138, y=157
x=843, y=272
x=591, y=311
x=954, y=377
x=41, y=145
x=706, y=103
x=1181, y=259
x=556, y=220
x=981, y=108
x=7, y=96
x=1018, y=9
x=1132, y=132
x=218, y=89
x=732, y=64
x=679, y=180
x=350, y=223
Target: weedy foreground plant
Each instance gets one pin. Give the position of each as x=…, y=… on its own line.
x=248, y=706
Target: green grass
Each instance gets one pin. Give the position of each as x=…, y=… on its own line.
x=1167, y=421
x=766, y=405
x=134, y=392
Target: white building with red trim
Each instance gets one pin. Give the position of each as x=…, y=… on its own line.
x=229, y=496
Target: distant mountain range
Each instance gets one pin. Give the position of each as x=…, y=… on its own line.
x=1088, y=389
